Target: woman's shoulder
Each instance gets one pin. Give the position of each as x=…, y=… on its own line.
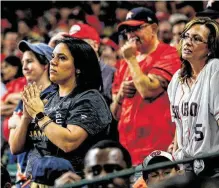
x=176, y=76
x=177, y=73
x=93, y=97
x=213, y=65
x=91, y=93
x=174, y=82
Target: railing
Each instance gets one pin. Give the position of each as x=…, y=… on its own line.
x=131, y=171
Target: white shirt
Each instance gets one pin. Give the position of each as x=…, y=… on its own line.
x=195, y=112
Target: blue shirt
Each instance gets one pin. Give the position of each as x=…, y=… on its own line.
x=23, y=157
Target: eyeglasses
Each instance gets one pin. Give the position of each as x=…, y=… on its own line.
x=133, y=29
x=195, y=39
x=108, y=168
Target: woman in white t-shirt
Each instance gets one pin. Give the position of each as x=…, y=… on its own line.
x=194, y=91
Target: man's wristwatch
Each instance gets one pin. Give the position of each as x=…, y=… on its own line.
x=39, y=116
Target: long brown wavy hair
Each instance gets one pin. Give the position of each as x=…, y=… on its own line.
x=213, y=44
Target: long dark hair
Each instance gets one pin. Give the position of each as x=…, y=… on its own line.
x=16, y=62
x=85, y=60
x=213, y=44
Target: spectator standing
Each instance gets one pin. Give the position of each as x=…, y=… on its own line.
x=75, y=116
x=35, y=62
x=88, y=34
x=140, y=86
x=193, y=94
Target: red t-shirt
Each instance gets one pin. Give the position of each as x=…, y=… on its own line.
x=144, y=125
x=14, y=86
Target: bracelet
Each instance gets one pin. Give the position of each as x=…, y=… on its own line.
x=45, y=124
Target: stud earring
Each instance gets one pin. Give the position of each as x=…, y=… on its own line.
x=78, y=71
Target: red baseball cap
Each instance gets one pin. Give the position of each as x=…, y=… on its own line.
x=83, y=31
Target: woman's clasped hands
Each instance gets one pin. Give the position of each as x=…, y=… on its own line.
x=31, y=98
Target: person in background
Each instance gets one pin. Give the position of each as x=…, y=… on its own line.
x=178, y=22
x=26, y=30
x=108, y=51
x=165, y=31
x=103, y=158
x=55, y=37
x=9, y=42
x=211, y=11
x=13, y=82
x=193, y=94
x=122, y=8
x=35, y=63
x=153, y=177
x=75, y=116
x=140, y=84
x=11, y=68
x=189, y=8
x=92, y=10
x=13, y=77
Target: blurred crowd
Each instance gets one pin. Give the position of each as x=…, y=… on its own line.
x=133, y=91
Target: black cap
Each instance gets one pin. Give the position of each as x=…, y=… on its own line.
x=138, y=16
x=212, y=11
